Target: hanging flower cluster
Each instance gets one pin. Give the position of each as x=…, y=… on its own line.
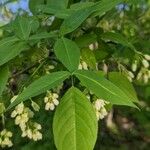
x=51, y=100
x=22, y=117
x=129, y=75
x=49, y=68
x=83, y=65
x=144, y=73
x=32, y=131
x=99, y=106
x=5, y=140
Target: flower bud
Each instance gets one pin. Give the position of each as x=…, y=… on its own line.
x=35, y=106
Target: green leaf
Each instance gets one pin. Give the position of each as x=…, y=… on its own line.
x=22, y=27
x=79, y=16
x=68, y=53
x=89, y=57
x=4, y=74
x=85, y=40
x=75, y=20
x=59, y=4
x=81, y=5
x=9, y=50
x=59, y=13
x=117, y=38
x=100, y=54
x=62, y=12
x=103, y=88
x=123, y=83
x=7, y=41
x=40, y=86
x=43, y=35
x=75, y=124
x=33, y=5
x=104, y=6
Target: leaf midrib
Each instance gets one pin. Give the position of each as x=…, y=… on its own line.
x=97, y=83
x=67, y=52
x=24, y=99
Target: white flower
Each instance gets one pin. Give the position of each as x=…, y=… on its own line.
x=19, y=108
x=145, y=63
x=49, y=106
x=5, y=138
x=131, y=74
x=9, y=134
x=147, y=57
x=83, y=65
x=32, y=131
x=29, y=133
x=13, y=114
x=22, y=117
x=144, y=75
x=46, y=99
x=80, y=66
x=37, y=136
x=99, y=106
x=37, y=126
x=56, y=102
x=145, y=78
x=51, y=67
x=134, y=66
x=99, y=103
x=55, y=96
x=139, y=75
x=24, y=134
x=52, y=106
x=51, y=100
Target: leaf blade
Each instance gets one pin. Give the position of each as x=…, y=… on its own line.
x=4, y=74
x=118, y=38
x=11, y=50
x=78, y=17
x=40, y=86
x=68, y=53
x=103, y=88
x=43, y=35
x=123, y=83
x=77, y=115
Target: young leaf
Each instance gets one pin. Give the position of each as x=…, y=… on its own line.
x=79, y=16
x=123, y=83
x=75, y=124
x=68, y=53
x=11, y=50
x=103, y=88
x=40, y=86
x=4, y=74
x=117, y=38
